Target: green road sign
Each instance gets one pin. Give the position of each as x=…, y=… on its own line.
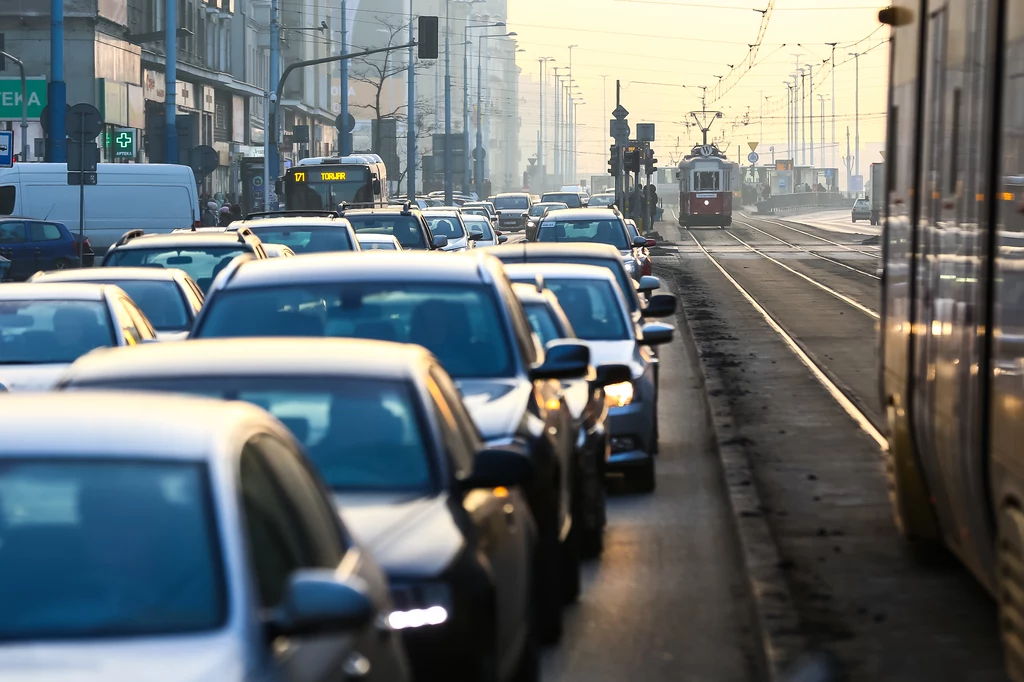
x=10, y=98
x=123, y=143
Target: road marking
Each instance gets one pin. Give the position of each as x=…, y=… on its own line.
x=817, y=255
x=862, y=421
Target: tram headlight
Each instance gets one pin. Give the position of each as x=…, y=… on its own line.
x=707, y=203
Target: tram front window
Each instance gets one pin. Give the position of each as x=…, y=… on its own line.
x=705, y=181
x=325, y=196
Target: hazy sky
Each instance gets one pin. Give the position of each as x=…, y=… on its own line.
x=689, y=44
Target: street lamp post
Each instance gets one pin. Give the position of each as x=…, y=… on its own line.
x=479, y=151
x=447, y=105
x=810, y=107
x=540, y=128
x=557, y=146
x=465, y=96
x=832, y=156
x=856, y=112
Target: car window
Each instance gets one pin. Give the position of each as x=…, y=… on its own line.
x=12, y=232
x=52, y=331
x=201, y=263
x=144, y=326
x=460, y=323
x=569, y=199
x=460, y=448
x=542, y=321
x=592, y=307
x=8, y=199
x=633, y=232
x=129, y=328
x=511, y=203
x=601, y=201
x=107, y=548
x=615, y=266
x=447, y=226
x=161, y=302
x=45, y=232
x=605, y=231
x=313, y=239
x=481, y=227
x=307, y=497
x=407, y=229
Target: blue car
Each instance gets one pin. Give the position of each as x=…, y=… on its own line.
x=33, y=245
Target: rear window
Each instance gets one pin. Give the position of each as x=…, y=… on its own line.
x=202, y=263
x=542, y=321
x=624, y=281
x=41, y=332
x=506, y=203
x=586, y=231
x=311, y=239
x=107, y=548
x=568, y=198
x=406, y=229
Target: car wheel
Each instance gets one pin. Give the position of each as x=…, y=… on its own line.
x=643, y=478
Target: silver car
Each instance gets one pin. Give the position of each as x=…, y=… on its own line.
x=157, y=552
x=592, y=301
x=448, y=222
x=481, y=232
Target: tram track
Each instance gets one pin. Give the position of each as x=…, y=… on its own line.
x=808, y=251
x=844, y=247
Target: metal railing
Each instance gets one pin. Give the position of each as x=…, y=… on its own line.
x=804, y=202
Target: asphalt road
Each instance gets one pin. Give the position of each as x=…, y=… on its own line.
x=820, y=478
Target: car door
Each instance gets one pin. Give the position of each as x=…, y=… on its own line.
x=499, y=516
x=291, y=526
x=14, y=246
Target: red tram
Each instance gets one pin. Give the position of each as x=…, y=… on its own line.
x=706, y=182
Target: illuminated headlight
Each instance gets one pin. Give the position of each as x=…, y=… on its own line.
x=630, y=264
x=618, y=395
x=421, y=605
x=706, y=202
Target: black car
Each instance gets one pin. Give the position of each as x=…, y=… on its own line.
x=463, y=310
x=512, y=208
x=405, y=223
x=570, y=199
x=385, y=427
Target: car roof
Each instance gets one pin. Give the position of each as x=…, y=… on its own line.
x=187, y=239
x=55, y=291
x=112, y=274
x=149, y=425
x=585, y=214
x=527, y=272
x=356, y=267
x=524, y=250
x=527, y=292
x=248, y=357
x=289, y=221
x=513, y=194
x=384, y=210
x=375, y=237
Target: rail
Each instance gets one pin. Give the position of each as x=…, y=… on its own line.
x=783, y=204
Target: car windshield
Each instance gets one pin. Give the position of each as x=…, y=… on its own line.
x=592, y=308
x=542, y=320
x=623, y=279
x=445, y=226
x=405, y=228
x=107, y=548
x=608, y=231
x=601, y=201
x=361, y=434
x=161, y=302
x=861, y=203
x=481, y=227
x=40, y=332
x=486, y=208
x=506, y=203
x=377, y=244
x=202, y=263
x=540, y=209
x=569, y=199
x=460, y=323
x=482, y=212
x=306, y=239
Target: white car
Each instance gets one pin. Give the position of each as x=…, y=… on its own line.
x=45, y=327
x=169, y=298
x=159, y=538
x=378, y=242
x=481, y=232
x=448, y=222
x=278, y=250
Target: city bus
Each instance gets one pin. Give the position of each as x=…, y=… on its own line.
x=323, y=183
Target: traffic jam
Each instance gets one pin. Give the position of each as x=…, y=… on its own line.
x=377, y=433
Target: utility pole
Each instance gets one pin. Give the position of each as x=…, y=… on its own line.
x=540, y=134
x=557, y=144
x=847, y=160
x=856, y=110
x=832, y=156
x=467, y=45
x=57, y=92
x=448, y=105
x=410, y=151
x=275, y=79
x=346, y=138
x=803, y=118
x=171, y=86
x=604, y=94
x=479, y=151
x=810, y=107
x=821, y=100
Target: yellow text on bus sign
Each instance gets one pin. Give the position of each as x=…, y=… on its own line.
x=300, y=176
x=341, y=175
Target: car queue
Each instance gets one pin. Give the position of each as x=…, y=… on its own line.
x=394, y=465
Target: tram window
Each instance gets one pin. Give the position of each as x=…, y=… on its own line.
x=705, y=181
x=955, y=143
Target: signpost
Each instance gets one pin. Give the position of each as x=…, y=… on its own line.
x=10, y=98
x=6, y=148
x=83, y=123
x=752, y=157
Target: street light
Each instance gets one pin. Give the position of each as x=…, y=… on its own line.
x=540, y=128
x=856, y=112
x=465, y=97
x=479, y=151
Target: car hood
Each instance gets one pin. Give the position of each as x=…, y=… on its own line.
x=617, y=353
x=496, y=405
x=31, y=377
x=158, y=659
x=455, y=244
x=407, y=535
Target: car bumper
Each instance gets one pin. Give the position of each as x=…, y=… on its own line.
x=631, y=427
x=861, y=216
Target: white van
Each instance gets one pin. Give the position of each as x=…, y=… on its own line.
x=127, y=196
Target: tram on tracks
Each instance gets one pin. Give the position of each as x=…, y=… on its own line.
x=707, y=180
x=952, y=317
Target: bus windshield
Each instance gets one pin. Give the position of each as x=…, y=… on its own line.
x=324, y=187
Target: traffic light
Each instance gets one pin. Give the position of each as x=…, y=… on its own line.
x=613, y=162
x=651, y=163
x=631, y=160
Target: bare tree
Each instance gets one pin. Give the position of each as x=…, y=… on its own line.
x=377, y=70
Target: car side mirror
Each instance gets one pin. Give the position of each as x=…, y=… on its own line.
x=656, y=334
x=651, y=242
x=440, y=241
x=661, y=305
x=493, y=467
x=475, y=236
x=639, y=241
x=649, y=283
x=563, y=359
x=316, y=601
x=612, y=374
x=502, y=239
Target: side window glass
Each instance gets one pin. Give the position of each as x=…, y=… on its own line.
x=139, y=321
x=12, y=232
x=275, y=549
x=318, y=518
x=520, y=324
x=129, y=329
x=8, y=196
x=44, y=232
x=468, y=435
x=194, y=296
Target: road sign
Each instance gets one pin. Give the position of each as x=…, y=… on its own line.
x=44, y=117
x=645, y=132
x=828, y=173
x=83, y=122
x=620, y=112
x=782, y=183
x=618, y=129
x=752, y=157
x=10, y=98
x=203, y=160
x=82, y=156
x=124, y=143
x=6, y=148
x=478, y=153
x=753, y=146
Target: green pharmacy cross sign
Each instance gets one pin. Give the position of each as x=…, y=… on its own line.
x=123, y=143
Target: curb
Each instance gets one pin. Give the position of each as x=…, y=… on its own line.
x=781, y=632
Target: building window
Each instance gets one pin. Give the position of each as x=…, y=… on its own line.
x=222, y=118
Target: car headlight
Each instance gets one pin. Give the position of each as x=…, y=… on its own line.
x=420, y=605
x=618, y=395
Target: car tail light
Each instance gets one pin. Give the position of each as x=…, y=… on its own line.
x=197, y=223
